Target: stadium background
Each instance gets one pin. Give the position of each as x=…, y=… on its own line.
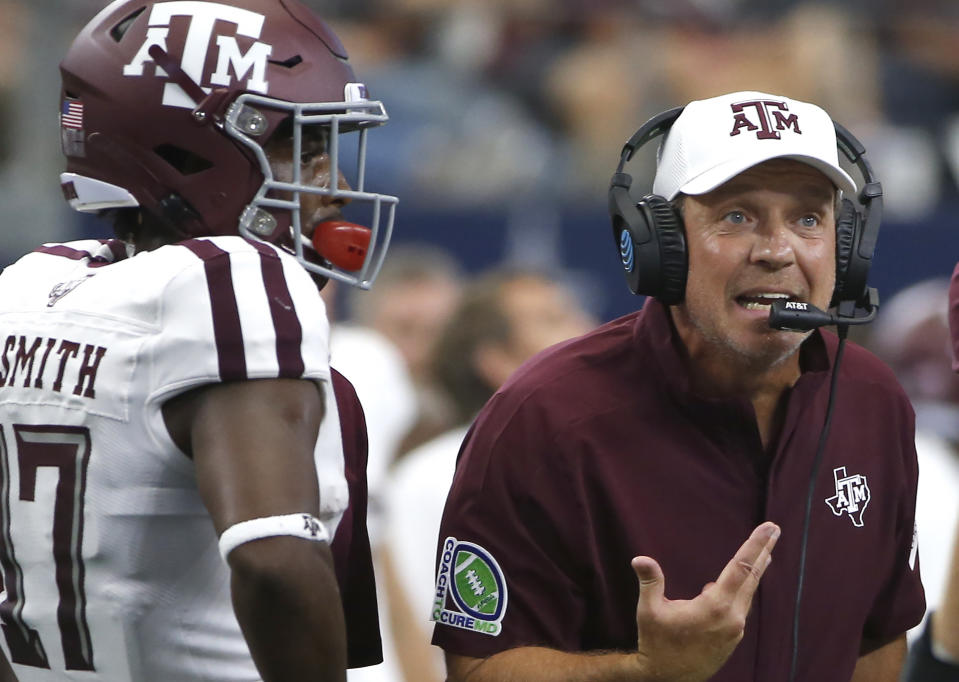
x=508, y=115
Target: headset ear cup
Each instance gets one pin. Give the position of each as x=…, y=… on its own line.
x=631, y=232
x=668, y=226
x=847, y=223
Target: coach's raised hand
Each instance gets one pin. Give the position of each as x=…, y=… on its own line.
x=689, y=640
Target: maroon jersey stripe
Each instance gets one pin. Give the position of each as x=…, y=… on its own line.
x=286, y=325
x=65, y=251
x=226, y=316
x=116, y=247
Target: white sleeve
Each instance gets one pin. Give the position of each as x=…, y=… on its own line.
x=241, y=311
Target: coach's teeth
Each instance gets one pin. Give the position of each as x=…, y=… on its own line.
x=761, y=301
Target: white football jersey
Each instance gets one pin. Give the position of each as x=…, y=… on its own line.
x=109, y=558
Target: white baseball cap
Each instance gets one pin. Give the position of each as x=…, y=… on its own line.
x=714, y=140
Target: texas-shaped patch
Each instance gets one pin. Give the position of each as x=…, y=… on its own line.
x=852, y=496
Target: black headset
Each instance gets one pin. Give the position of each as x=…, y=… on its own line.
x=652, y=242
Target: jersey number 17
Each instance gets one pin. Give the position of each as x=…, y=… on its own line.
x=66, y=449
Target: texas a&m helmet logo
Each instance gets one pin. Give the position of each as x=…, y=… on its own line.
x=767, y=118
x=232, y=61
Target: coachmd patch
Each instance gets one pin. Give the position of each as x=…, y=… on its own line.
x=470, y=589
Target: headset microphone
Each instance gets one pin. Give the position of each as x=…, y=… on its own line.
x=795, y=316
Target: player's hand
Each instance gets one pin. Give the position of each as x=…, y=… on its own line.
x=689, y=640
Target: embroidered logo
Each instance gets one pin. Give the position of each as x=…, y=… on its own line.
x=62, y=289
x=311, y=525
x=626, y=252
x=852, y=496
x=470, y=589
x=769, y=119
x=230, y=59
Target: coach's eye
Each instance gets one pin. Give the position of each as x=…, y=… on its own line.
x=735, y=217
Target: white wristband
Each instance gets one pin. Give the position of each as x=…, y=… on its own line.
x=304, y=526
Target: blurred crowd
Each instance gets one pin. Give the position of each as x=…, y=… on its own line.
x=494, y=102
x=493, y=99
x=521, y=106
x=490, y=99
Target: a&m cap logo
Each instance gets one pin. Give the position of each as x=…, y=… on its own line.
x=852, y=496
x=767, y=118
x=470, y=589
x=231, y=61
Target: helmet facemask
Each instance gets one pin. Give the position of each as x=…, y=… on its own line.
x=275, y=212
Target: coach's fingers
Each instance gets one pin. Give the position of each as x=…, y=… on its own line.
x=741, y=576
x=652, y=582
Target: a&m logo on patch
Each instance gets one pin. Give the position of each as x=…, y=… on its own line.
x=470, y=589
x=852, y=496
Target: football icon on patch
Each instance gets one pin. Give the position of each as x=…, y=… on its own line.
x=477, y=582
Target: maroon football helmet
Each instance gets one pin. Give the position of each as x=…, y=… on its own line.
x=167, y=106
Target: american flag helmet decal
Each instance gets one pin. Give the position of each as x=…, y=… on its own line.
x=71, y=114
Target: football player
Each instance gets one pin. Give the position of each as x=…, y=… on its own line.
x=181, y=473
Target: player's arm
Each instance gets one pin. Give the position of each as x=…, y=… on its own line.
x=252, y=443
x=679, y=640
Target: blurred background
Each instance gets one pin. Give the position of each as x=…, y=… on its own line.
x=507, y=118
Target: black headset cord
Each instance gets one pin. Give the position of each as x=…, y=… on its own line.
x=842, y=330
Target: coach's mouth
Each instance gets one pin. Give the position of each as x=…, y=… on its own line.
x=763, y=300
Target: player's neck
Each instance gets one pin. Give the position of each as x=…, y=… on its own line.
x=147, y=242
x=135, y=226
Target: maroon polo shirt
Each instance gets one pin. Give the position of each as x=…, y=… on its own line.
x=954, y=317
x=351, y=545
x=597, y=451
